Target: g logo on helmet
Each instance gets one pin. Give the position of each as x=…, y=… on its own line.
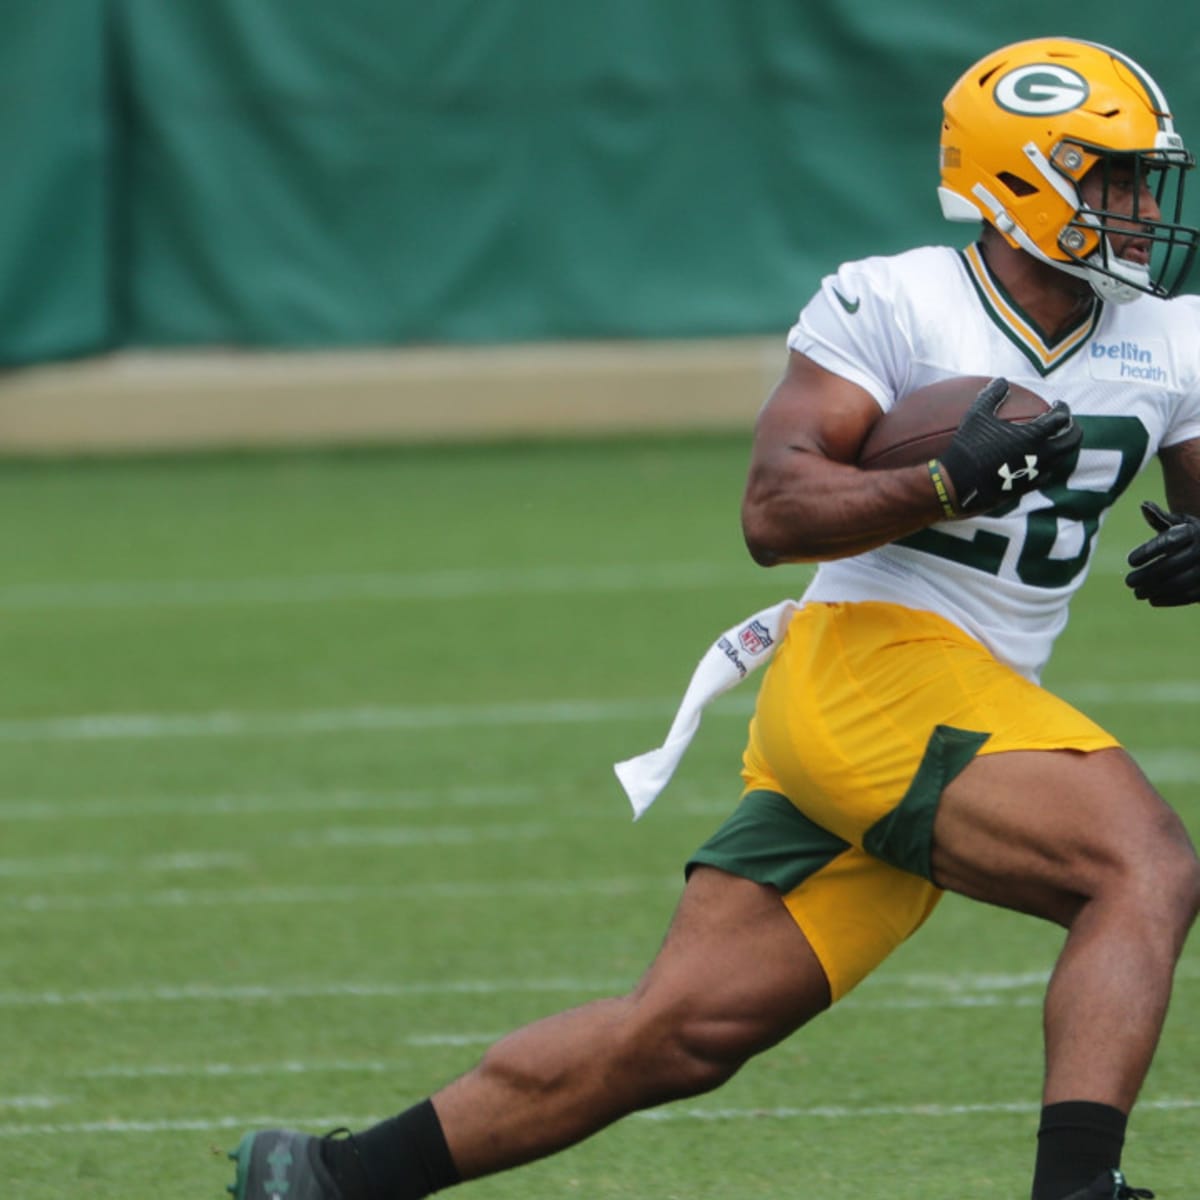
x=1041, y=90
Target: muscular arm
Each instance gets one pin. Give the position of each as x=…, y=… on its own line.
x=1181, y=476
x=804, y=500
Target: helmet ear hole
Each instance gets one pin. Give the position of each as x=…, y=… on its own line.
x=1015, y=184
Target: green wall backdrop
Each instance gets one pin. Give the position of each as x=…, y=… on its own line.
x=295, y=173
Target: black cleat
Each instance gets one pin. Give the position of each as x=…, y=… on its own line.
x=281, y=1164
x=1110, y=1185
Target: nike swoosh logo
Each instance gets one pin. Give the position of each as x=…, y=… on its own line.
x=850, y=306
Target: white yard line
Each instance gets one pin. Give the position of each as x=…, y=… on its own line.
x=116, y=1126
x=1164, y=691
x=450, y=584
x=848, y=1112
x=954, y=991
x=248, y=803
x=31, y=1103
x=471, y=891
x=1169, y=765
x=212, y=993
x=399, y=836
x=183, y=860
x=393, y=718
x=447, y=584
x=1163, y=766
x=225, y=1070
x=61, y=865
x=374, y=718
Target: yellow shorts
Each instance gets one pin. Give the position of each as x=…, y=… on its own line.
x=866, y=713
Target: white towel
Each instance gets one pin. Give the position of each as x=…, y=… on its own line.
x=739, y=651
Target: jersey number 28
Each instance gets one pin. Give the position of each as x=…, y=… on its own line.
x=985, y=551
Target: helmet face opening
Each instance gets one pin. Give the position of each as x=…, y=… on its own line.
x=1131, y=199
x=1069, y=150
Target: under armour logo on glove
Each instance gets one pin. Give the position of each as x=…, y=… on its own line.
x=1029, y=472
x=979, y=461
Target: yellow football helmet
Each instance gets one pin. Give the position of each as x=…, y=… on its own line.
x=1023, y=127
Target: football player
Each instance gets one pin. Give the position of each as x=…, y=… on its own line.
x=902, y=744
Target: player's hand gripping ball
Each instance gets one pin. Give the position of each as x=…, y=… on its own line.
x=991, y=460
x=990, y=440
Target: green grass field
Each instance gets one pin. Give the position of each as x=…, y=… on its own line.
x=307, y=795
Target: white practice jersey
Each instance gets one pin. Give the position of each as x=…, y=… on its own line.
x=1130, y=373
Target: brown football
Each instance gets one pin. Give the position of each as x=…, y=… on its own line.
x=922, y=424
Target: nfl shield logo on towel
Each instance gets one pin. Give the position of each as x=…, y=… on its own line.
x=754, y=637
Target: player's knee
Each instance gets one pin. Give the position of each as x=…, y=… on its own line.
x=686, y=1054
x=712, y=1051
x=1176, y=878
x=1165, y=883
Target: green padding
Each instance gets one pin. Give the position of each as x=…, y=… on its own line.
x=905, y=836
x=56, y=287
x=770, y=841
x=227, y=171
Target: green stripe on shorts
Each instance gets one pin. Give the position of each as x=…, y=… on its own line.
x=904, y=837
x=767, y=839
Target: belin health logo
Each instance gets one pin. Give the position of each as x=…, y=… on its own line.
x=1134, y=361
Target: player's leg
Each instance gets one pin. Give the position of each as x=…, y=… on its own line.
x=734, y=975
x=777, y=919
x=1007, y=794
x=1085, y=841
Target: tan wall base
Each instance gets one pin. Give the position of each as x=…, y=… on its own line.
x=168, y=401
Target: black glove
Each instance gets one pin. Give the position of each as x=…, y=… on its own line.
x=1168, y=565
x=991, y=461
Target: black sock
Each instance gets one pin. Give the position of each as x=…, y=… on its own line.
x=1077, y=1139
x=402, y=1158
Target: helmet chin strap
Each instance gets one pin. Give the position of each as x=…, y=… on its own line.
x=1114, y=279
x=1109, y=283
x=1111, y=278
x=1117, y=281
